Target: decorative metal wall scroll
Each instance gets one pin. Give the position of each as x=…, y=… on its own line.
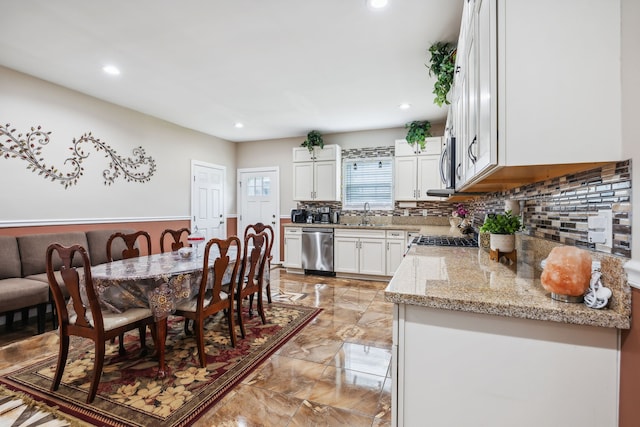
x=138, y=168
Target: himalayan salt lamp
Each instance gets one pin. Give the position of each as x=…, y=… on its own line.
x=567, y=271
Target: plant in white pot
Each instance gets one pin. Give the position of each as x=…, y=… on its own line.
x=502, y=229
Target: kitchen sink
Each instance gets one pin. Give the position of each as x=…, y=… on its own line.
x=363, y=225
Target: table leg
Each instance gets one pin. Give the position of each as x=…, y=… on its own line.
x=161, y=330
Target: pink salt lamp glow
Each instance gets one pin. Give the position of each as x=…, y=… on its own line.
x=567, y=271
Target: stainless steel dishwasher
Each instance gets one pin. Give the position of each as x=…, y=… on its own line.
x=317, y=250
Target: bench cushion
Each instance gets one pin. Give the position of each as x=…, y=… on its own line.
x=33, y=250
x=9, y=257
x=17, y=293
x=97, y=240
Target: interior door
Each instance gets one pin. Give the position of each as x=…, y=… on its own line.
x=207, y=199
x=259, y=201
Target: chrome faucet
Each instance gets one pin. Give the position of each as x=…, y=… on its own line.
x=366, y=213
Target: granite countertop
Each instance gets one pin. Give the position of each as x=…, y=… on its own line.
x=465, y=279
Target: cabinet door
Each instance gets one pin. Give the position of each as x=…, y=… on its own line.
x=404, y=149
x=395, y=253
x=303, y=181
x=406, y=170
x=486, y=149
x=471, y=98
x=372, y=256
x=292, y=251
x=326, y=153
x=302, y=154
x=428, y=176
x=345, y=254
x=325, y=180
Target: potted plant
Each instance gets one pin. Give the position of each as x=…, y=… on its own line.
x=502, y=229
x=314, y=139
x=418, y=132
x=458, y=215
x=443, y=64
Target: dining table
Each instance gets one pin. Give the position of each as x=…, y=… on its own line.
x=158, y=282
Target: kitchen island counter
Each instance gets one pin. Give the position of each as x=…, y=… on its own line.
x=465, y=279
x=478, y=342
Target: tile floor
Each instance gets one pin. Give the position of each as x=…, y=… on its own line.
x=335, y=372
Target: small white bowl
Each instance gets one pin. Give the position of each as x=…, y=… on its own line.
x=185, y=252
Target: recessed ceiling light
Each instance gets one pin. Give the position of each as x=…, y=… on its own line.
x=404, y=106
x=238, y=125
x=377, y=4
x=110, y=69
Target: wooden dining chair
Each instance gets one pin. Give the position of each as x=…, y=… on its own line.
x=130, y=240
x=254, y=260
x=259, y=228
x=130, y=250
x=211, y=299
x=177, y=243
x=87, y=319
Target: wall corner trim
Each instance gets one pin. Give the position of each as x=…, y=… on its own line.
x=632, y=267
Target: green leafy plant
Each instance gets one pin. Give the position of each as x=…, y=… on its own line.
x=506, y=223
x=314, y=139
x=442, y=66
x=418, y=132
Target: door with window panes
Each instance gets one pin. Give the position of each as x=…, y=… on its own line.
x=258, y=201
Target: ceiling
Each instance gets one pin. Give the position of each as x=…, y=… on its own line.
x=280, y=67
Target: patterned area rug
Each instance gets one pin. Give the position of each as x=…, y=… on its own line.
x=130, y=394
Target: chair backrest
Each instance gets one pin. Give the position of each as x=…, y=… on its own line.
x=219, y=269
x=254, y=260
x=176, y=235
x=72, y=281
x=259, y=228
x=130, y=240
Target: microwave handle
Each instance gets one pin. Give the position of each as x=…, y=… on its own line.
x=443, y=157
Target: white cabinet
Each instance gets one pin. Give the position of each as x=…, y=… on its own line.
x=444, y=357
x=317, y=174
x=519, y=103
x=396, y=247
x=359, y=251
x=292, y=247
x=417, y=170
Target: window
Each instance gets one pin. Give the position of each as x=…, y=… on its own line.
x=368, y=180
x=259, y=186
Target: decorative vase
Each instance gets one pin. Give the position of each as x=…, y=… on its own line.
x=455, y=221
x=502, y=242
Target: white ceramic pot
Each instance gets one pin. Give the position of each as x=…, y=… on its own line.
x=503, y=242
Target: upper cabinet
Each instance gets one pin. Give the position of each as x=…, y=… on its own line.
x=416, y=170
x=529, y=78
x=317, y=174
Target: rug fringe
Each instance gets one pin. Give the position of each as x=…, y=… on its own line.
x=32, y=403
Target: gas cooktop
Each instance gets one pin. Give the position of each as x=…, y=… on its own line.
x=445, y=241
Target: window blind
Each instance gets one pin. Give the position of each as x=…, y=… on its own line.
x=368, y=180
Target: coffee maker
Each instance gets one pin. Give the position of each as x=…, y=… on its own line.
x=324, y=215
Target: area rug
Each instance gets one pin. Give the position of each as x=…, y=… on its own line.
x=130, y=394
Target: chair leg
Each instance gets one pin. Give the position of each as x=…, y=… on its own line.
x=62, y=361
x=269, y=291
x=42, y=312
x=121, y=350
x=25, y=316
x=251, y=305
x=54, y=312
x=198, y=329
x=187, y=331
x=232, y=326
x=261, y=307
x=240, y=322
x=142, y=330
x=98, y=362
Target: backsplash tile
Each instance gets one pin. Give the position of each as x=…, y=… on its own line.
x=555, y=209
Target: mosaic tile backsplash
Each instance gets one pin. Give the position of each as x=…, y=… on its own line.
x=556, y=209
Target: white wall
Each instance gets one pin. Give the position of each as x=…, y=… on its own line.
x=26, y=101
x=630, y=96
x=277, y=152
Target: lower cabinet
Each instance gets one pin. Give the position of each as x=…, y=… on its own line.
x=292, y=247
x=396, y=247
x=360, y=252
